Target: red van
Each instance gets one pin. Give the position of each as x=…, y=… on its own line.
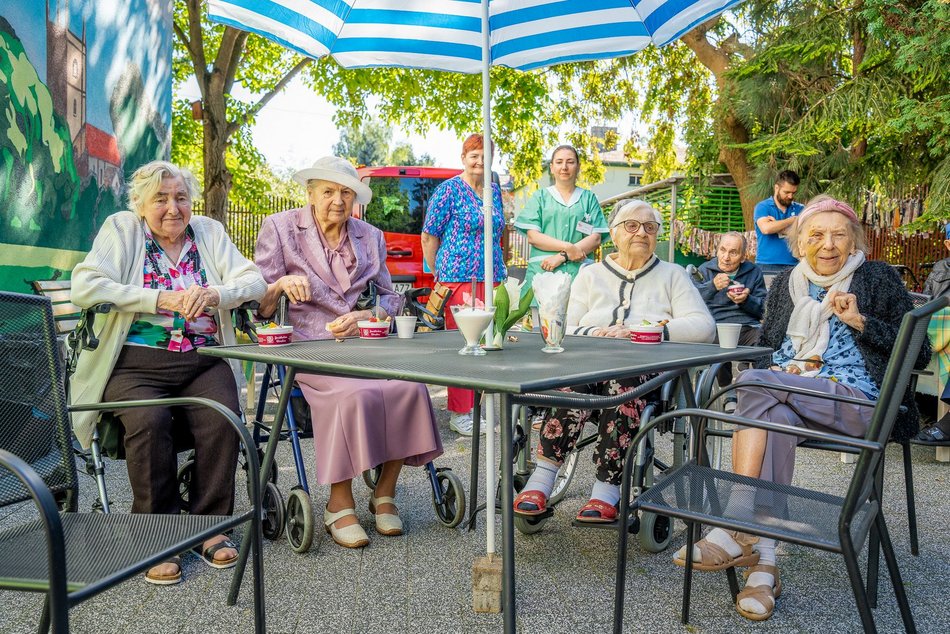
x=400, y=198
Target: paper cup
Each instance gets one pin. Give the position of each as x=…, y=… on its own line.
x=279, y=336
x=373, y=329
x=405, y=326
x=646, y=334
x=728, y=335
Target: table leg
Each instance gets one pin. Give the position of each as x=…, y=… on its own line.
x=507, y=516
x=473, y=469
x=269, y=453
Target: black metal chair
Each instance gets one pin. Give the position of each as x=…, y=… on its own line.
x=86, y=553
x=696, y=493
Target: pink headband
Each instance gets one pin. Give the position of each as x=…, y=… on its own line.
x=828, y=204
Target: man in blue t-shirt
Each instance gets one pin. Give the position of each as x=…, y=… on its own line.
x=773, y=217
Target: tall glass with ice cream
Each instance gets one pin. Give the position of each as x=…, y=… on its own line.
x=472, y=323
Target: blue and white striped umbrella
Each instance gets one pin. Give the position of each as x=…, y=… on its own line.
x=447, y=34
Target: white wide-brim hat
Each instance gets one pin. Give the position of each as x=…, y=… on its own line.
x=336, y=170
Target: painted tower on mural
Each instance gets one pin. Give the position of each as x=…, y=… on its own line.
x=95, y=152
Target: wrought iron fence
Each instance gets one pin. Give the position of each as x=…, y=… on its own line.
x=244, y=221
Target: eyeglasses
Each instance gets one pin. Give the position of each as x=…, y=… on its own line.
x=632, y=226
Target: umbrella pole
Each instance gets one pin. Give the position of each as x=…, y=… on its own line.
x=487, y=571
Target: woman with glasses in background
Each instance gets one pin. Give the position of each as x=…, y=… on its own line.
x=627, y=288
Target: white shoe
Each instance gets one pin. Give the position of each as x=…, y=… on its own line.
x=352, y=536
x=386, y=523
x=463, y=424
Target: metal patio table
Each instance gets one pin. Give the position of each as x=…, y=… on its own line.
x=521, y=368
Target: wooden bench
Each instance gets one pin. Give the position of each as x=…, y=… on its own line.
x=66, y=315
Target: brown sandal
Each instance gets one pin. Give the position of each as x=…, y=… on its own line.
x=763, y=594
x=165, y=580
x=713, y=558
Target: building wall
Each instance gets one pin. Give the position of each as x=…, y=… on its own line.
x=69, y=69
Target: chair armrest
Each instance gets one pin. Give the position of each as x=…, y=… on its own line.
x=236, y=423
x=792, y=390
x=701, y=415
x=574, y=400
x=49, y=514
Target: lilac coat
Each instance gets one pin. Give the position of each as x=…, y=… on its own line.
x=288, y=244
x=362, y=423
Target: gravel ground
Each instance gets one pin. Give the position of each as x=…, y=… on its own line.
x=421, y=581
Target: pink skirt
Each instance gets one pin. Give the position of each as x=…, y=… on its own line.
x=359, y=424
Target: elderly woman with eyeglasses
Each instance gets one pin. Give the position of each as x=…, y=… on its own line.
x=628, y=287
x=832, y=322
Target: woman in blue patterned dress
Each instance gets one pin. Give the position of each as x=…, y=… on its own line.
x=453, y=242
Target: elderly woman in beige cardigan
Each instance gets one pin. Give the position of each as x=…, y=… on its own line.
x=172, y=278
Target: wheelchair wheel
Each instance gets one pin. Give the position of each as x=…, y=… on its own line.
x=299, y=521
x=272, y=521
x=655, y=532
x=530, y=525
x=563, y=479
x=185, y=473
x=452, y=509
x=371, y=477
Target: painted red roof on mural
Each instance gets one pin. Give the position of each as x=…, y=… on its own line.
x=102, y=145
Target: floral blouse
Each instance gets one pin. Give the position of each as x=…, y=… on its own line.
x=456, y=216
x=164, y=329
x=842, y=360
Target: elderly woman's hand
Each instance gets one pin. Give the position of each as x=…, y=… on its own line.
x=345, y=325
x=845, y=306
x=295, y=287
x=618, y=331
x=190, y=303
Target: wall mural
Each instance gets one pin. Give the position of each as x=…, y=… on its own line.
x=85, y=98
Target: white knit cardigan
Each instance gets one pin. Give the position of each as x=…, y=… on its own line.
x=113, y=272
x=605, y=294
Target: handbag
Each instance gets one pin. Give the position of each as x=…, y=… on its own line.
x=367, y=299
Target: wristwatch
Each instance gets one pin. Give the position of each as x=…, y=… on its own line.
x=563, y=254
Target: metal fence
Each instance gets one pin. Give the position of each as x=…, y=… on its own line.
x=244, y=221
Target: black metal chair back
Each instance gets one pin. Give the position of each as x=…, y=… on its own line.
x=910, y=338
x=34, y=423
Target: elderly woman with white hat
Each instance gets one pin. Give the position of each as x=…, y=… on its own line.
x=832, y=322
x=323, y=260
x=607, y=298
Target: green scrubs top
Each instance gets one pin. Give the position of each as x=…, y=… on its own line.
x=546, y=212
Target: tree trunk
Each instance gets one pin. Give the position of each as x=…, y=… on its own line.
x=730, y=130
x=217, y=177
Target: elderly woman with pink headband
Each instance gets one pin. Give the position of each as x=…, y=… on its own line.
x=832, y=322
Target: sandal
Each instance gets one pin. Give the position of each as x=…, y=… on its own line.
x=713, y=557
x=165, y=580
x=763, y=594
x=532, y=498
x=597, y=512
x=207, y=555
x=933, y=436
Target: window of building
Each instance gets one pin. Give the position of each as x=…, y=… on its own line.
x=75, y=68
x=634, y=180
x=75, y=108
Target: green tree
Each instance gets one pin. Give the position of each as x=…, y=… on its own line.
x=220, y=59
x=366, y=143
x=403, y=154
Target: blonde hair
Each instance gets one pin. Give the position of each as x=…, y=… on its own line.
x=146, y=180
x=854, y=228
x=631, y=205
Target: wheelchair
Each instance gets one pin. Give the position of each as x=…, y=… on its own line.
x=654, y=532
x=295, y=518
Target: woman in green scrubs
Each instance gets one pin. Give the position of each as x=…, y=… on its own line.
x=563, y=222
